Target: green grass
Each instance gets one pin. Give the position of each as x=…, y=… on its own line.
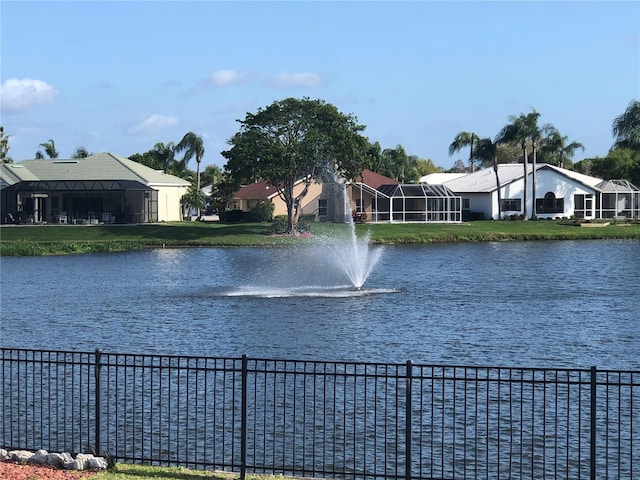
x=67, y=239
x=139, y=472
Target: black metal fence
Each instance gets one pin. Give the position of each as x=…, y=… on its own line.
x=325, y=419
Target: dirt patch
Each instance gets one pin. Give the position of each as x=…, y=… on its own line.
x=16, y=471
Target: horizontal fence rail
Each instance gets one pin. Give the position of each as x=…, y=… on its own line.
x=325, y=419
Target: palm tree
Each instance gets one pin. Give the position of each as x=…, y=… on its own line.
x=487, y=153
x=626, y=127
x=193, y=199
x=193, y=147
x=523, y=129
x=462, y=140
x=49, y=150
x=555, y=148
x=164, y=155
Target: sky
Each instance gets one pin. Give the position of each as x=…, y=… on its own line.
x=121, y=76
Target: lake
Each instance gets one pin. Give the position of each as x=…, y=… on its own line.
x=525, y=304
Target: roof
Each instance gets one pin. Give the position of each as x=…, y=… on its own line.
x=484, y=181
x=100, y=167
x=374, y=180
x=416, y=190
x=259, y=190
x=440, y=177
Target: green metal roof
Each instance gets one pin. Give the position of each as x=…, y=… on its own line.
x=100, y=167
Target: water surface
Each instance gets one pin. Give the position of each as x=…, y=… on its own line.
x=529, y=304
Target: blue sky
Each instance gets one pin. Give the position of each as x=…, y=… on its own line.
x=121, y=76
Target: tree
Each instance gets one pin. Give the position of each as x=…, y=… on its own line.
x=164, y=155
x=211, y=175
x=193, y=199
x=4, y=147
x=462, y=140
x=555, y=149
x=398, y=165
x=80, y=152
x=523, y=129
x=49, y=150
x=487, y=153
x=426, y=166
x=620, y=163
x=458, y=167
x=193, y=147
x=626, y=127
x=295, y=140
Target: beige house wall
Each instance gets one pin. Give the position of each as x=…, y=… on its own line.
x=309, y=202
x=169, y=207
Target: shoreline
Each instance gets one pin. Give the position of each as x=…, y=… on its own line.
x=64, y=240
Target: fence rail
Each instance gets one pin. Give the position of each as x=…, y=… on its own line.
x=325, y=419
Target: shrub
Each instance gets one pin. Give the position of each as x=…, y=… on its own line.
x=304, y=221
x=359, y=217
x=280, y=224
x=231, y=216
x=262, y=212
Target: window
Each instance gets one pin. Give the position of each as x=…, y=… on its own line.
x=465, y=204
x=511, y=205
x=322, y=207
x=359, y=205
x=550, y=204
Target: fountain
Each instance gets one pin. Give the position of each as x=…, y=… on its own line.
x=335, y=267
x=354, y=256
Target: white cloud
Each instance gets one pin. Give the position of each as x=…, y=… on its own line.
x=224, y=78
x=303, y=79
x=19, y=95
x=154, y=123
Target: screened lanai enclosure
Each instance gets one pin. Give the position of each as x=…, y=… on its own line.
x=407, y=203
x=80, y=202
x=620, y=199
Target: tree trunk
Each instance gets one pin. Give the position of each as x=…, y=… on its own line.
x=495, y=169
x=526, y=180
x=290, y=201
x=198, y=182
x=533, y=181
x=471, y=164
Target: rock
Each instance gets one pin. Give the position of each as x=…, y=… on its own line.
x=67, y=461
x=82, y=460
x=20, y=456
x=40, y=457
x=55, y=460
x=96, y=463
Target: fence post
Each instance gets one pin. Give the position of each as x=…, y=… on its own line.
x=407, y=471
x=594, y=411
x=98, y=402
x=243, y=420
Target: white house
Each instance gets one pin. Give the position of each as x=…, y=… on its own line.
x=558, y=193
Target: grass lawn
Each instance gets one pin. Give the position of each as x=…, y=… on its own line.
x=138, y=472
x=64, y=239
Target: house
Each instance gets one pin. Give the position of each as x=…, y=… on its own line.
x=248, y=196
x=558, y=193
x=375, y=197
x=102, y=188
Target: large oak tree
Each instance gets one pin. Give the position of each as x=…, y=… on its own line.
x=295, y=140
